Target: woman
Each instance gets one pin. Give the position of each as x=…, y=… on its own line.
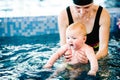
x=97, y=22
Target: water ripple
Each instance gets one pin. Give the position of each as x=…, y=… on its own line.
x=24, y=62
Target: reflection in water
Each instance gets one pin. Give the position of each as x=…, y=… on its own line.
x=24, y=60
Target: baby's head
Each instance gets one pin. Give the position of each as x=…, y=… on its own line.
x=76, y=28
x=76, y=35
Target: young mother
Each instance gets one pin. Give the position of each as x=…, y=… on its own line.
x=97, y=22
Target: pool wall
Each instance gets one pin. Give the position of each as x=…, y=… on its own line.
x=39, y=25
x=28, y=26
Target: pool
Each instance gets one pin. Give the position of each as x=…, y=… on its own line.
x=28, y=38
x=22, y=58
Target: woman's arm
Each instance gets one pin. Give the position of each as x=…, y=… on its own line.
x=103, y=35
x=62, y=25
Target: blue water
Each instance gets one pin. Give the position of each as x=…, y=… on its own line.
x=22, y=58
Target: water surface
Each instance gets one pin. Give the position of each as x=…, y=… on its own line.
x=22, y=58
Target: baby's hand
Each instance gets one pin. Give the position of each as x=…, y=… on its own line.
x=68, y=56
x=92, y=73
x=47, y=66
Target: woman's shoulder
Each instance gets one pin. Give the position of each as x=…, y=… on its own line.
x=63, y=11
x=97, y=6
x=63, y=17
x=104, y=10
x=105, y=16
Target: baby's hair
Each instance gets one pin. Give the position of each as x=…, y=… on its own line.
x=78, y=26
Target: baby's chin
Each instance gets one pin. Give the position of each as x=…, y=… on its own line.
x=73, y=47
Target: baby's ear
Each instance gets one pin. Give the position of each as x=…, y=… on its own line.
x=85, y=38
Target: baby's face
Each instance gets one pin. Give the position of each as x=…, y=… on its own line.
x=74, y=39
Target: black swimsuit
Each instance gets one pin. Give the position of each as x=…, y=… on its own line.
x=93, y=37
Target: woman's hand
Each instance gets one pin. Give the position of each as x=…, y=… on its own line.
x=80, y=55
x=68, y=56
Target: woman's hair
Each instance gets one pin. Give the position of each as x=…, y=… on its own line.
x=82, y=2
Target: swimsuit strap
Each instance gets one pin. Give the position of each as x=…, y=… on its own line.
x=95, y=31
x=96, y=26
x=98, y=16
x=69, y=15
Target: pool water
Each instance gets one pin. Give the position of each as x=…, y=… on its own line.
x=22, y=58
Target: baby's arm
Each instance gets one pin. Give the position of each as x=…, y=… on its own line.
x=51, y=61
x=93, y=61
x=55, y=56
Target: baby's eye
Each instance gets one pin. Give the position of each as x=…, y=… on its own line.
x=74, y=38
x=68, y=38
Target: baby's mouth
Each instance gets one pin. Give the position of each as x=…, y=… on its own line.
x=71, y=45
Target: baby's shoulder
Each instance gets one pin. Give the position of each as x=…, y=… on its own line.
x=88, y=48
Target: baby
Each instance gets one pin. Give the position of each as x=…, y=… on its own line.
x=75, y=44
